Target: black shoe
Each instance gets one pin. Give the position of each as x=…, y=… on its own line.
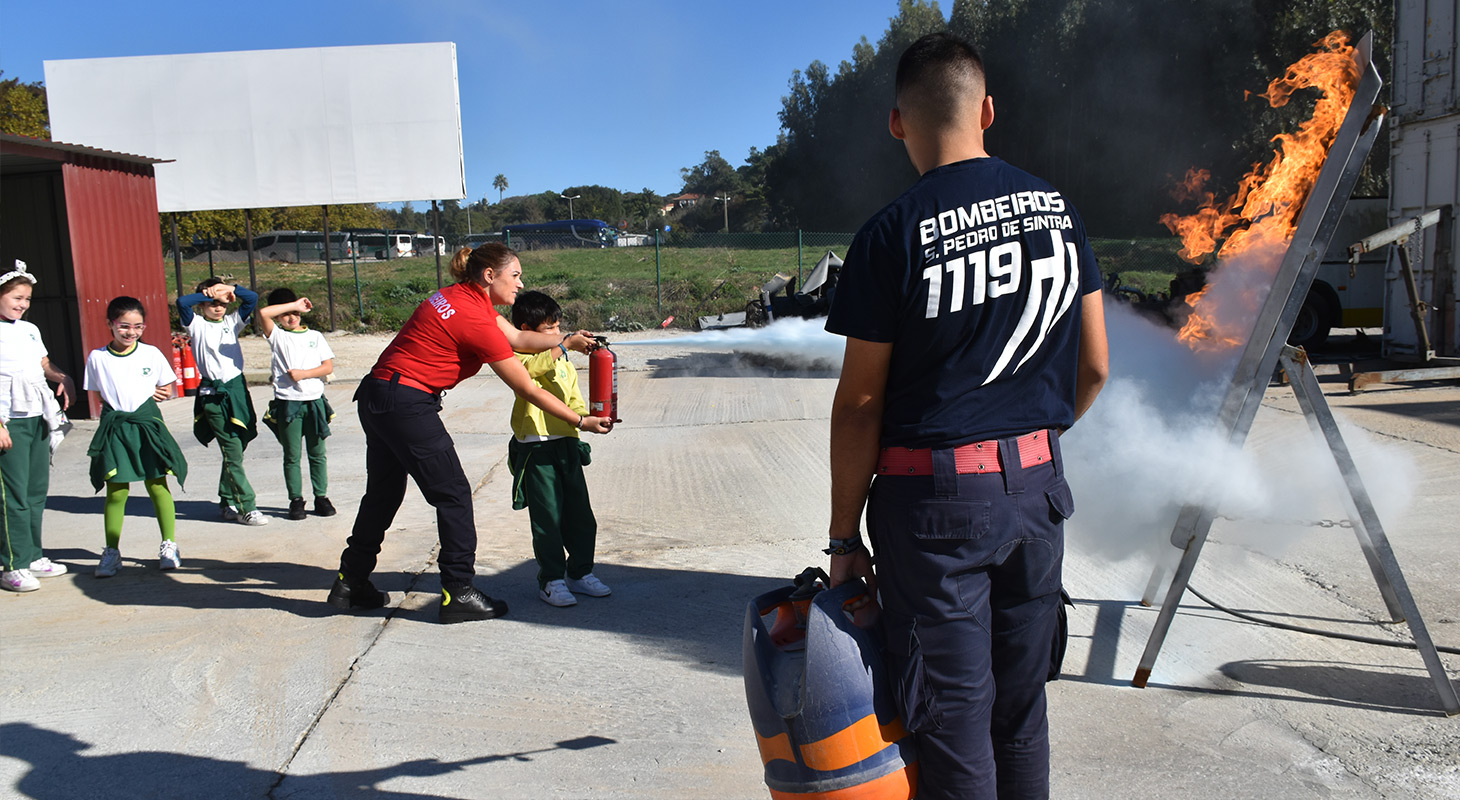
x=322, y=506
x=296, y=508
x=465, y=604
x=361, y=596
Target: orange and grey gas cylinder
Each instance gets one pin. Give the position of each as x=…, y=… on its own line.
x=603, y=381
x=819, y=698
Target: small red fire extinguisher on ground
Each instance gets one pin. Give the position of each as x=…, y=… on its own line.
x=603, y=381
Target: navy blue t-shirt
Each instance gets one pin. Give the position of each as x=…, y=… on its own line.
x=975, y=276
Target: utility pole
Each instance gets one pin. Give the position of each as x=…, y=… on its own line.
x=725, y=200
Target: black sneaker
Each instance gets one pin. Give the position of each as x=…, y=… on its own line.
x=362, y=596
x=296, y=508
x=322, y=506
x=464, y=604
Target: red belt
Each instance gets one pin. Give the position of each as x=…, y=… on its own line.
x=970, y=458
x=387, y=374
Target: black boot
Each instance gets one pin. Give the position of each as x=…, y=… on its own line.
x=296, y=508
x=356, y=596
x=465, y=603
x=323, y=506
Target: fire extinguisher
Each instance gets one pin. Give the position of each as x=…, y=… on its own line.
x=190, y=377
x=177, y=365
x=603, y=381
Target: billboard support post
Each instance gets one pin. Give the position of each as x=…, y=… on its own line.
x=436, y=235
x=329, y=271
x=177, y=254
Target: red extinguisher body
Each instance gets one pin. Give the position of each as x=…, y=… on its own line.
x=603, y=382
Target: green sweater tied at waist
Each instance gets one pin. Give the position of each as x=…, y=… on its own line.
x=237, y=407
x=134, y=446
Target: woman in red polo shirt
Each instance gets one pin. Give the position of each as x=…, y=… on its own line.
x=447, y=340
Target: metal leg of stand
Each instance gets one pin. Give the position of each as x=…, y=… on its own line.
x=1193, y=526
x=1372, y=539
x=1166, y=561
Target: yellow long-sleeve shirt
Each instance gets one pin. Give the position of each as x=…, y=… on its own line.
x=557, y=375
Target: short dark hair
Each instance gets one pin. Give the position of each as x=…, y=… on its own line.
x=213, y=281
x=282, y=295
x=532, y=309
x=935, y=72
x=121, y=305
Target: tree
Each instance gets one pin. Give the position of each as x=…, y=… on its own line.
x=643, y=205
x=23, y=109
x=500, y=184
x=711, y=176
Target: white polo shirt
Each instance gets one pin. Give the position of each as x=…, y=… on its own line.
x=125, y=382
x=21, y=351
x=301, y=349
x=216, y=347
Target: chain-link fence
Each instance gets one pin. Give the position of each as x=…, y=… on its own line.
x=640, y=281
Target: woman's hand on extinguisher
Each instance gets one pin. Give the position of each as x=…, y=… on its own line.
x=582, y=341
x=597, y=424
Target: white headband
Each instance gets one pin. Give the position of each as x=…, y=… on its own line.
x=18, y=272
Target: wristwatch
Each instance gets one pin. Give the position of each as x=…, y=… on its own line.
x=842, y=547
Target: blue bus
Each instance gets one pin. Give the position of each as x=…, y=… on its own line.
x=560, y=234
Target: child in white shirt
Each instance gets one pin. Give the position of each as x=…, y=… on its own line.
x=301, y=360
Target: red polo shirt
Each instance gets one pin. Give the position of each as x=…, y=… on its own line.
x=446, y=340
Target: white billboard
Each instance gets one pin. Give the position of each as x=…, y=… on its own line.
x=265, y=128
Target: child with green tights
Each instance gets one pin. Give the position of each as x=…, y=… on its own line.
x=132, y=443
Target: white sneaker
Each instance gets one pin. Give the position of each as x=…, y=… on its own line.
x=111, y=561
x=227, y=512
x=254, y=518
x=45, y=568
x=556, y=594
x=168, y=556
x=589, y=585
x=20, y=580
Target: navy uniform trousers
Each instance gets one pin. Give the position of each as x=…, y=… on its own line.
x=404, y=436
x=969, y=571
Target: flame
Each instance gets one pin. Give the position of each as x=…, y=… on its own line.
x=1258, y=220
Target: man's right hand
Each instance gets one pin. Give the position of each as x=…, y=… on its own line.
x=854, y=565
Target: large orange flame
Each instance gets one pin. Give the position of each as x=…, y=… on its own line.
x=1257, y=222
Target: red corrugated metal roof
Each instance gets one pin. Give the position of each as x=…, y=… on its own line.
x=78, y=149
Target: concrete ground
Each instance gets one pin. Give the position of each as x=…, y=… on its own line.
x=231, y=677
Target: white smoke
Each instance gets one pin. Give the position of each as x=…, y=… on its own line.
x=1150, y=445
x=792, y=341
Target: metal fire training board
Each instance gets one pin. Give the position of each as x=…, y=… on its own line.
x=1265, y=346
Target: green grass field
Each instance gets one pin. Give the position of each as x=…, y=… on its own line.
x=624, y=288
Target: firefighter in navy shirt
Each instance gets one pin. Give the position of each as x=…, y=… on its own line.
x=975, y=335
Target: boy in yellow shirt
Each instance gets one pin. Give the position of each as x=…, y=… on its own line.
x=547, y=459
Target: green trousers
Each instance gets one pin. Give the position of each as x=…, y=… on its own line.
x=233, y=486
x=291, y=436
x=549, y=478
x=25, y=478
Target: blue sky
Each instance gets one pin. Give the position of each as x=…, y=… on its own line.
x=554, y=93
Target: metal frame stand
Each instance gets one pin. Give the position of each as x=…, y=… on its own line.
x=1260, y=357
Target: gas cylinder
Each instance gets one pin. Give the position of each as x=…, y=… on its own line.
x=819, y=697
x=603, y=381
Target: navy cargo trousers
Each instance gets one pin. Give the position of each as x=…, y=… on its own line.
x=404, y=438
x=969, y=573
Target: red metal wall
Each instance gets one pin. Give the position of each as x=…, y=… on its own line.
x=116, y=249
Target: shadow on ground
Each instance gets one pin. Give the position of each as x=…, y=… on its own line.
x=60, y=768
x=139, y=508
x=682, y=615
x=686, y=616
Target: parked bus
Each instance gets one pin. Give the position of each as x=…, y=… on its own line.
x=297, y=246
x=560, y=234
x=421, y=243
x=381, y=244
